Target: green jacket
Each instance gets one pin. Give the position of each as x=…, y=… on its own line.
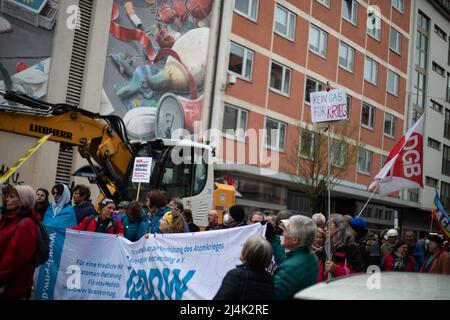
x=296, y=270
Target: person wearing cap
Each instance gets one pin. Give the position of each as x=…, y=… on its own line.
x=18, y=242
x=102, y=222
x=235, y=217
x=82, y=203
x=60, y=213
x=368, y=246
x=122, y=207
x=438, y=260
x=392, y=236
x=398, y=259
x=298, y=268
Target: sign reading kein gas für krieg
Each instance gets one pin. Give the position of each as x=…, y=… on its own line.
x=180, y=266
x=328, y=106
x=142, y=169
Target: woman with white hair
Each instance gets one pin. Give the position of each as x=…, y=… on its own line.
x=18, y=241
x=345, y=257
x=298, y=268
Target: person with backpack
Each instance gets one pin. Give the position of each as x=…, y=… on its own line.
x=18, y=243
x=102, y=222
x=60, y=213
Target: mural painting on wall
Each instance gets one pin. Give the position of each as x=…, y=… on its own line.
x=156, y=65
x=26, y=36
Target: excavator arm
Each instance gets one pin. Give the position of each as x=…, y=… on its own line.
x=99, y=138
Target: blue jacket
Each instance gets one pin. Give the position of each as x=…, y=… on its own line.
x=419, y=257
x=65, y=218
x=84, y=210
x=154, y=219
x=135, y=230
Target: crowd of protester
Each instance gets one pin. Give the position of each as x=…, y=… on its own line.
x=296, y=252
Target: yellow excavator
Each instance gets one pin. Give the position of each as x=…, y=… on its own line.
x=181, y=168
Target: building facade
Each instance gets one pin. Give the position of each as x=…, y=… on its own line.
x=280, y=51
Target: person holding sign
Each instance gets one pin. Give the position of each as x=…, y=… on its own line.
x=103, y=222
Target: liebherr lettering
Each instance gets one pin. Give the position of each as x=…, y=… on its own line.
x=55, y=132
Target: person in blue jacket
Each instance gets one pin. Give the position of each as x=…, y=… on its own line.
x=157, y=203
x=134, y=222
x=60, y=213
x=414, y=250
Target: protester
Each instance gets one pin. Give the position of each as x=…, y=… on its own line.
x=171, y=222
x=5, y=191
x=134, y=222
x=103, y=222
x=82, y=202
x=392, y=236
x=298, y=268
x=187, y=215
x=398, y=259
x=319, y=220
x=176, y=205
x=437, y=260
x=318, y=248
x=42, y=202
x=270, y=216
x=235, y=217
x=18, y=243
x=345, y=256
x=121, y=210
x=156, y=201
x=60, y=213
x=282, y=215
x=255, y=217
x=414, y=250
x=368, y=246
x=250, y=280
x=213, y=220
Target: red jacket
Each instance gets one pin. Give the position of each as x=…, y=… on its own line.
x=389, y=262
x=84, y=226
x=18, y=241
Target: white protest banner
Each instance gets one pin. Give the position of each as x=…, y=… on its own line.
x=96, y=266
x=142, y=169
x=328, y=106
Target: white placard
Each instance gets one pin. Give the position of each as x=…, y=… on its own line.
x=328, y=106
x=142, y=169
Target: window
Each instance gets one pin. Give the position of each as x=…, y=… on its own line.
x=383, y=160
x=350, y=11
x=389, y=124
x=374, y=25
x=275, y=134
x=318, y=41
x=392, y=82
x=234, y=122
x=440, y=32
x=445, y=194
x=434, y=144
x=367, y=116
x=416, y=115
x=413, y=195
x=285, y=22
x=418, y=96
x=395, y=42
x=398, y=5
x=432, y=182
x=448, y=58
x=349, y=105
x=446, y=160
x=280, y=78
x=241, y=61
x=312, y=86
x=338, y=155
x=447, y=96
x=326, y=3
x=371, y=71
x=422, y=21
x=364, y=161
x=436, y=106
x=447, y=124
x=248, y=8
x=438, y=69
x=346, y=56
x=309, y=144
x=421, y=50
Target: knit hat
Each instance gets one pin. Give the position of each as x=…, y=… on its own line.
x=358, y=224
x=237, y=213
x=436, y=238
x=27, y=196
x=105, y=202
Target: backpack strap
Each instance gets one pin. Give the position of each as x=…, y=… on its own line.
x=91, y=217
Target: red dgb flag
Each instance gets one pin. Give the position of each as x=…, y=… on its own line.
x=404, y=165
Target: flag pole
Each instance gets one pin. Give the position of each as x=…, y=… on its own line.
x=329, y=196
x=370, y=198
